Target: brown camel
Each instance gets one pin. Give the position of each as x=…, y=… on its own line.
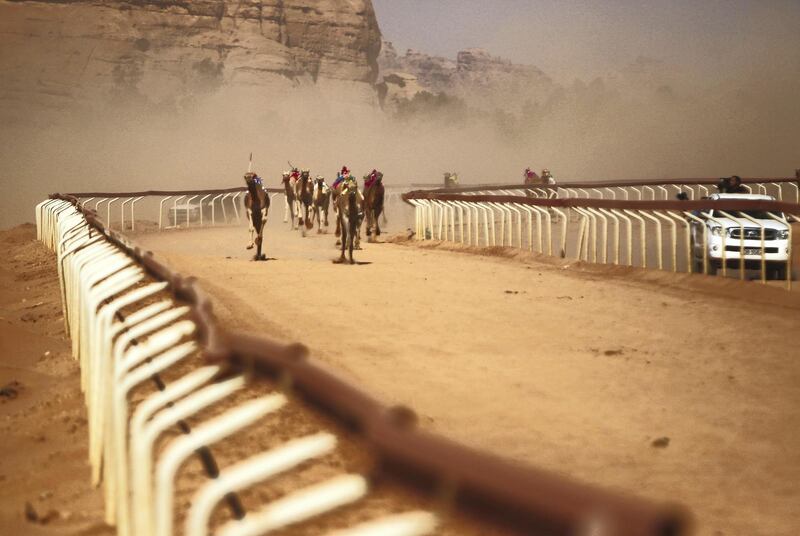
x=373, y=203
x=321, y=202
x=288, y=190
x=451, y=180
x=304, y=193
x=349, y=209
x=256, y=203
x=336, y=192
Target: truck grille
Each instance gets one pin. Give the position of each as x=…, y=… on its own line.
x=753, y=233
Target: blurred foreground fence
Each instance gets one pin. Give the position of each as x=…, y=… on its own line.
x=131, y=320
x=703, y=235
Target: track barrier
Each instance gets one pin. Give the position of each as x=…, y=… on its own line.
x=612, y=231
x=134, y=322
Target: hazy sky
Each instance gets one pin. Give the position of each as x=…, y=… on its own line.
x=567, y=38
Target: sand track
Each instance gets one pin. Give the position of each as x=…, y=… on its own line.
x=579, y=370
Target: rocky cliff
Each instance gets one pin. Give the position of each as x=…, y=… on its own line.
x=483, y=80
x=56, y=52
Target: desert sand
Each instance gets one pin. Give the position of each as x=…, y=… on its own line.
x=674, y=387
x=44, y=470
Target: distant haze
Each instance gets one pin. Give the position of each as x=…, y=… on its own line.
x=713, y=39
x=688, y=89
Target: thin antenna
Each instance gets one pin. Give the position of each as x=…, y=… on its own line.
x=250, y=167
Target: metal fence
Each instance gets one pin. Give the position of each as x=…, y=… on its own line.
x=223, y=202
x=131, y=320
x=782, y=188
x=705, y=236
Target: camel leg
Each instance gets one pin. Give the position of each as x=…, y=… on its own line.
x=338, y=231
x=260, y=239
x=286, y=210
x=340, y=243
x=350, y=236
x=298, y=209
x=370, y=221
x=250, y=228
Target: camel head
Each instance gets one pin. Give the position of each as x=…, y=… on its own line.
x=251, y=178
x=286, y=176
x=379, y=176
x=319, y=180
x=305, y=174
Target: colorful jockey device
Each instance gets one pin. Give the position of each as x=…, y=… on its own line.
x=370, y=179
x=295, y=174
x=341, y=176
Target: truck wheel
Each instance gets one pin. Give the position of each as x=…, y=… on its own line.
x=697, y=265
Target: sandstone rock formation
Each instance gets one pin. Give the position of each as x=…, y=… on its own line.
x=59, y=52
x=481, y=79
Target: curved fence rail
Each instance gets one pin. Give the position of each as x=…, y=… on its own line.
x=132, y=321
x=188, y=207
x=782, y=188
x=693, y=236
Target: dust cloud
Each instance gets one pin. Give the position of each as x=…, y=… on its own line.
x=647, y=122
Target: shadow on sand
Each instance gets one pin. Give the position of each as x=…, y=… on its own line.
x=345, y=261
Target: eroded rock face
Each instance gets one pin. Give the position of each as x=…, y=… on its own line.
x=483, y=80
x=160, y=51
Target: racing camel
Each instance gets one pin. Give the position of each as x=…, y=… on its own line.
x=304, y=192
x=288, y=190
x=339, y=189
x=321, y=202
x=256, y=202
x=373, y=203
x=349, y=207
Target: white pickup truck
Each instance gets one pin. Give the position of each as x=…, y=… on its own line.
x=724, y=234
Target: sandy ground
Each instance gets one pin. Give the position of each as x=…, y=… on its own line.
x=44, y=474
x=673, y=387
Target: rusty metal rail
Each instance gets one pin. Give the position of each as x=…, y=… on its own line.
x=612, y=183
x=783, y=188
x=521, y=498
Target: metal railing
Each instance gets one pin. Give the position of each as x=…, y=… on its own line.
x=209, y=198
x=218, y=201
x=782, y=188
x=131, y=319
x=615, y=231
